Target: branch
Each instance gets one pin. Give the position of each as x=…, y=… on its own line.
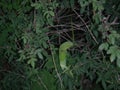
x=86, y=27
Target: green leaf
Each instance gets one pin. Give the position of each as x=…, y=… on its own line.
x=40, y=55
x=103, y=46
x=32, y=62
x=51, y=13
x=112, y=57
x=24, y=39
x=49, y=64
x=118, y=54
x=104, y=84
x=113, y=36
x=111, y=39
x=36, y=5
x=118, y=62
x=112, y=49
x=45, y=45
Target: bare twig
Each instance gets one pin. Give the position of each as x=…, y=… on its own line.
x=86, y=27
x=66, y=25
x=107, y=24
x=114, y=21
x=62, y=31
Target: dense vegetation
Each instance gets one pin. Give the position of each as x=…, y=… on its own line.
x=59, y=45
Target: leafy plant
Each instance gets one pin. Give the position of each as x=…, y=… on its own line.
x=36, y=40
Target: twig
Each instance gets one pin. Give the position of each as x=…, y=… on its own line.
x=107, y=24
x=86, y=27
x=66, y=16
x=53, y=58
x=66, y=25
x=114, y=21
x=62, y=31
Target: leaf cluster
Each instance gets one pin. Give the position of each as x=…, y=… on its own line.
x=32, y=33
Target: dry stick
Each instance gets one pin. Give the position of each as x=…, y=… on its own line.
x=75, y=26
x=68, y=35
x=55, y=65
x=115, y=21
x=66, y=16
x=62, y=31
x=63, y=36
x=86, y=27
x=58, y=26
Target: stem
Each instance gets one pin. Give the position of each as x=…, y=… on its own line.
x=53, y=58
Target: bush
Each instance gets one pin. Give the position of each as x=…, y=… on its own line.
x=35, y=53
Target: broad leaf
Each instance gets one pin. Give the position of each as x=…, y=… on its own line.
x=103, y=46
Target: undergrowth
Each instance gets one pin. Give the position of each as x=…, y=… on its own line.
x=32, y=31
